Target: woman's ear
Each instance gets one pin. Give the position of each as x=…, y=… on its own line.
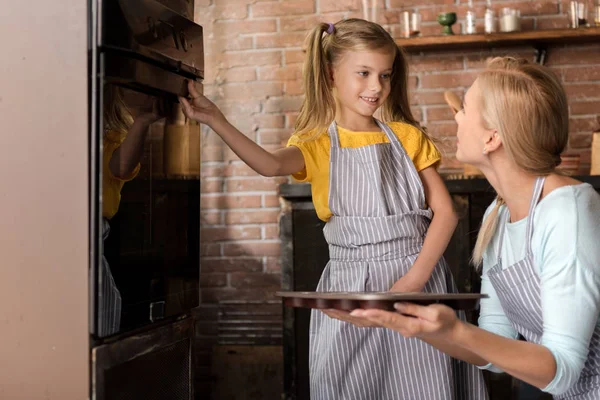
x=330, y=74
x=493, y=142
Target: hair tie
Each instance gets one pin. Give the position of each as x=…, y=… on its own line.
x=330, y=28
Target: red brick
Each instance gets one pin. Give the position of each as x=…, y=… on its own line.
x=430, y=63
x=250, y=58
x=238, y=43
x=552, y=22
x=234, y=28
x=211, y=217
x=273, y=136
x=239, y=168
x=230, y=11
x=253, y=184
x=252, y=90
x=417, y=3
x=442, y=129
x=244, y=74
x=252, y=217
x=210, y=250
x=443, y=113
x=290, y=119
x=287, y=7
x=270, y=231
x=582, y=74
x=294, y=88
x=273, y=265
x=278, y=73
x=226, y=294
x=212, y=279
x=221, y=233
x=583, y=92
x=583, y=124
x=585, y=108
x=588, y=54
x=339, y=5
x=250, y=248
x=237, y=264
x=212, y=185
x=222, y=201
x=269, y=121
x=427, y=98
x=294, y=56
x=269, y=41
x=448, y=80
x=271, y=201
x=580, y=140
x=212, y=153
x=283, y=104
x=254, y=279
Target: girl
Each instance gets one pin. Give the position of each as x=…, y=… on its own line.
x=389, y=216
x=538, y=242
x=123, y=147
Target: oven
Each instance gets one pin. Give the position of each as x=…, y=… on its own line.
x=144, y=196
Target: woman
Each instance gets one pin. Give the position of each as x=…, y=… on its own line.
x=538, y=243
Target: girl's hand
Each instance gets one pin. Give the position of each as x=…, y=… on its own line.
x=199, y=108
x=413, y=320
x=408, y=284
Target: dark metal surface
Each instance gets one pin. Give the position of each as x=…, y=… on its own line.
x=349, y=301
x=153, y=365
x=148, y=47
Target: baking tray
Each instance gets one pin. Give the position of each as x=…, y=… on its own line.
x=348, y=301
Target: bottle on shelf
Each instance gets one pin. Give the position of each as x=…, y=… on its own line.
x=489, y=18
x=470, y=20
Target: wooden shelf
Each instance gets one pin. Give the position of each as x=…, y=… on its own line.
x=534, y=38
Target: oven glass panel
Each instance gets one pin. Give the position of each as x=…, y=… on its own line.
x=148, y=264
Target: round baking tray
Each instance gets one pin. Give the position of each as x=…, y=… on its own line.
x=348, y=301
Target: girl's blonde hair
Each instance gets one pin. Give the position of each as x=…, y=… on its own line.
x=117, y=116
x=527, y=105
x=326, y=44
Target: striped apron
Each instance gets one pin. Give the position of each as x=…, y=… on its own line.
x=109, y=297
x=374, y=236
x=518, y=288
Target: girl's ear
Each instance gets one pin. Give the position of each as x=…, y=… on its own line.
x=330, y=74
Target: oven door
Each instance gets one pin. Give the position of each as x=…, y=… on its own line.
x=145, y=167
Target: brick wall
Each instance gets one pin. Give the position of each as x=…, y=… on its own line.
x=253, y=64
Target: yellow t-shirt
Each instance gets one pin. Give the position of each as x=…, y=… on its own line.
x=111, y=186
x=316, y=151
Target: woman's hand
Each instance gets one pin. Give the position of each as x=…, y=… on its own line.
x=199, y=108
x=346, y=317
x=413, y=320
x=409, y=283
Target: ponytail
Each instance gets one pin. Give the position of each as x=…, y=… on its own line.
x=487, y=231
x=318, y=107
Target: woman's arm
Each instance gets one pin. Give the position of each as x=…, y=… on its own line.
x=438, y=235
x=129, y=154
x=439, y=326
x=281, y=162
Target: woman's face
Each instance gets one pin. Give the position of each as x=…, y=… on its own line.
x=472, y=135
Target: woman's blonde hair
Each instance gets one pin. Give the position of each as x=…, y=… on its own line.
x=117, y=116
x=326, y=44
x=527, y=105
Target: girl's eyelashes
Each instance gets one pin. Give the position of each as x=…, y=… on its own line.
x=383, y=76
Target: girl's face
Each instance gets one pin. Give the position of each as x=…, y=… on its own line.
x=362, y=81
x=472, y=136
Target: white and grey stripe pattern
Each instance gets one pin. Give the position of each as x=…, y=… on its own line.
x=374, y=236
x=519, y=290
x=109, y=297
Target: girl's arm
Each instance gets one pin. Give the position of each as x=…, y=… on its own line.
x=129, y=154
x=281, y=162
x=438, y=235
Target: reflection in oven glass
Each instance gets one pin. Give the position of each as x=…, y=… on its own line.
x=149, y=211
